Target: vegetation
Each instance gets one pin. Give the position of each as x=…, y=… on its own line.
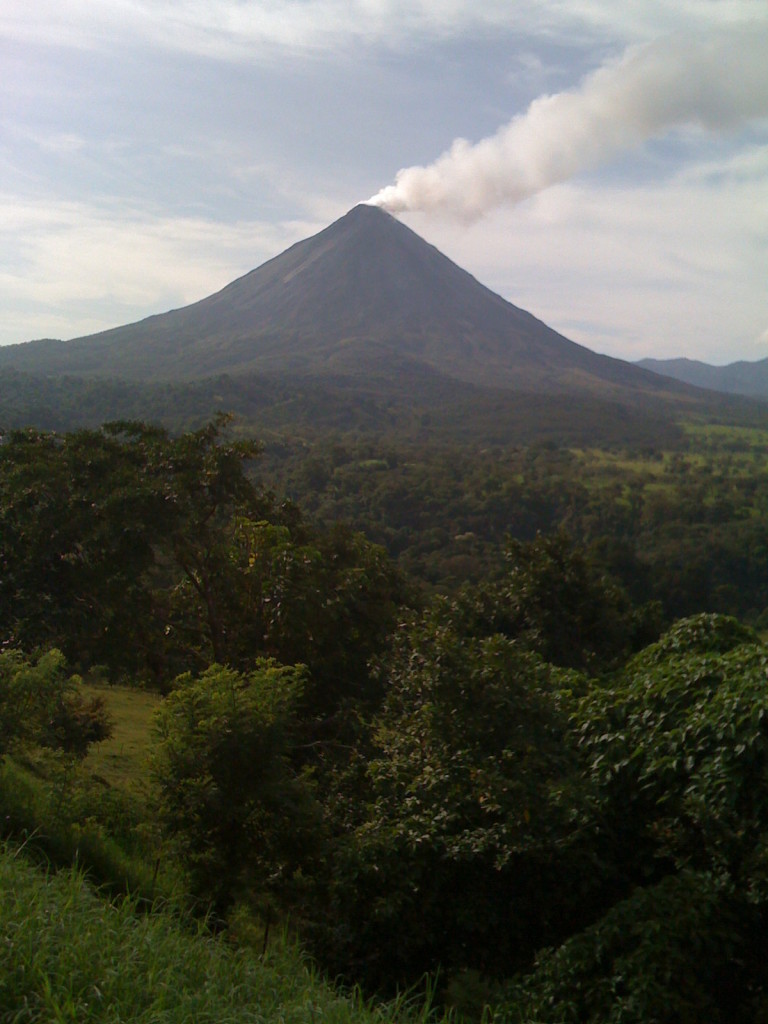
x=538, y=784
x=69, y=956
x=241, y=818
x=41, y=705
x=685, y=525
x=122, y=757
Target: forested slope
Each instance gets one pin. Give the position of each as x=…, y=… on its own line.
x=530, y=785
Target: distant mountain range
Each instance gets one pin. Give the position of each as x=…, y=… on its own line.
x=363, y=315
x=741, y=378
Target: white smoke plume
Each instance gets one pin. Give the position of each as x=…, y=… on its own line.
x=717, y=83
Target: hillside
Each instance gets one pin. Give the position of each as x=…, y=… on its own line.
x=740, y=378
x=75, y=956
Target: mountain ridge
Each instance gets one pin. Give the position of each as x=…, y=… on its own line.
x=739, y=378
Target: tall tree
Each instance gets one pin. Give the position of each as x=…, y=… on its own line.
x=101, y=526
x=240, y=817
x=463, y=823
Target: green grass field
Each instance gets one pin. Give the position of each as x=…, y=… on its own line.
x=121, y=759
x=93, y=813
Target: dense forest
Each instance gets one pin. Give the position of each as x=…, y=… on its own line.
x=685, y=524
x=493, y=717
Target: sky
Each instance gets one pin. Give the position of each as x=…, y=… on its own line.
x=600, y=163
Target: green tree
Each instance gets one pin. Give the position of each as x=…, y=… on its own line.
x=327, y=599
x=678, y=951
x=240, y=816
x=677, y=747
x=153, y=554
x=78, y=517
x=102, y=527
x=674, y=751
x=558, y=602
x=41, y=705
x=463, y=817
x=204, y=485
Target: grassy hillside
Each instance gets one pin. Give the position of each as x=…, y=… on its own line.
x=70, y=956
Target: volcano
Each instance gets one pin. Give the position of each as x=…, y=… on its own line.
x=364, y=299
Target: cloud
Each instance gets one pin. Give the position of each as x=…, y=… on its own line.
x=715, y=82
x=69, y=268
x=234, y=30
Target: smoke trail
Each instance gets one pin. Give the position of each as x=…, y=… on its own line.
x=717, y=83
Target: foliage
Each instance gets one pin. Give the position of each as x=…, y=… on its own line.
x=325, y=600
x=558, y=602
x=675, y=751
x=459, y=796
x=41, y=705
x=75, y=518
x=509, y=806
x=460, y=824
x=98, y=522
x=684, y=524
x=470, y=738
x=240, y=816
x=679, y=748
x=699, y=635
x=151, y=555
x=673, y=952
x=69, y=956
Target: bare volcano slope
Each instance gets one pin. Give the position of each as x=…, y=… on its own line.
x=364, y=298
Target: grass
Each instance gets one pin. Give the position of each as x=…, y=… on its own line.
x=121, y=760
x=69, y=956
x=66, y=823
x=93, y=814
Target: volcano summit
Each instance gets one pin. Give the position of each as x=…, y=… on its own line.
x=364, y=299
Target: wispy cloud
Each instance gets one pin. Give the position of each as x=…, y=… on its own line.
x=231, y=29
x=60, y=259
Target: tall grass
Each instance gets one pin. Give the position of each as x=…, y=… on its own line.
x=40, y=812
x=68, y=956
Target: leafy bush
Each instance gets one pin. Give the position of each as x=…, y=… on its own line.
x=461, y=825
x=553, y=598
x=40, y=704
x=672, y=952
x=674, y=751
x=226, y=792
x=678, y=749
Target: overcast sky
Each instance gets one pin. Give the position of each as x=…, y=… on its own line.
x=613, y=178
